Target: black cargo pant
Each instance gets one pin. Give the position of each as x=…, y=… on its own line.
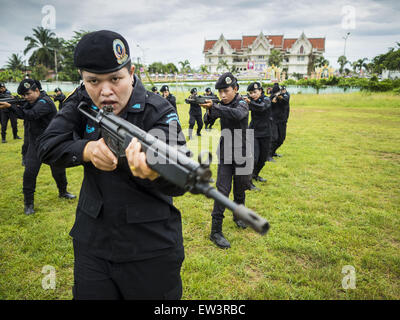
x=196, y=118
x=278, y=135
x=32, y=167
x=262, y=147
x=157, y=278
x=226, y=172
x=5, y=116
x=208, y=122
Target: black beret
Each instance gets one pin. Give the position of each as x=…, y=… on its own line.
x=225, y=81
x=154, y=89
x=164, y=88
x=28, y=84
x=2, y=85
x=208, y=89
x=193, y=90
x=57, y=89
x=101, y=52
x=254, y=85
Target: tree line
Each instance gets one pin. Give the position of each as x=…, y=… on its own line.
x=49, y=52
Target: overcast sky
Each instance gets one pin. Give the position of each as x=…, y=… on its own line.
x=175, y=30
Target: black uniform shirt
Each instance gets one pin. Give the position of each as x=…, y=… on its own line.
x=195, y=109
x=120, y=217
x=172, y=100
x=37, y=115
x=261, y=116
x=5, y=94
x=234, y=119
x=60, y=98
x=279, y=108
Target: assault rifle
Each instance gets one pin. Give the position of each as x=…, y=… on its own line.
x=11, y=99
x=173, y=164
x=201, y=99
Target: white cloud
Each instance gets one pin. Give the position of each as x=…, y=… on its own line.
x=175, y=30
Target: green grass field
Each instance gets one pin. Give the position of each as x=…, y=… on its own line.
x=332, y=200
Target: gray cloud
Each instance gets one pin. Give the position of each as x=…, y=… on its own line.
x=175, y=30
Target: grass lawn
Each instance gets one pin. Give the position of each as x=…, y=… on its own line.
x=332, y=201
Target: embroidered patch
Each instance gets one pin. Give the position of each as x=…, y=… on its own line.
x=89, y=129
x=119, y=51
x=136, y=106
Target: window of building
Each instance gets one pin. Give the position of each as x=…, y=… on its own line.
x=209, y=60
x=301, y=50
x=261, y=57
x=300, y=58
x=221, y=51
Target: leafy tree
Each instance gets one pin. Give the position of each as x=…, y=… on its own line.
x=39, y=72
x=275, y=58
x=67, y=67
x=185, y=66
x=223, y=65
x=204, y=69
x=320, y=62
x=360, y=64
x=42, y=45
x=15, y=62
x=342, y=60
x=13, y=75
x=171, y=68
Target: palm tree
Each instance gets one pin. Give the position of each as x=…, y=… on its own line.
x=204, y=69
x=43, y=42
x=361, y=64
x=312, y=57
x=15, y=62
x=223, y=65
x=320, y=61
x=275, y=58
x=354, y=65
x=342, y=60
x=185, y=66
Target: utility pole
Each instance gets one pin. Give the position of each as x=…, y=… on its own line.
x=345, y=39
x=55, y=63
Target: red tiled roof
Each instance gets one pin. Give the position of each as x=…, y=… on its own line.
x=235, y=44
x=318, y=43
x=276, y=41
x=248, y=40
x=208, y=44
x=287, y=43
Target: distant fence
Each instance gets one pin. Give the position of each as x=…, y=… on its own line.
x=185, y=86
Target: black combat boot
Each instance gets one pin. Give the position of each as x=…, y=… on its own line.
x=66, y=195
x=260, y=179
x=217, y=236
x=29, y=208
x=240, y=223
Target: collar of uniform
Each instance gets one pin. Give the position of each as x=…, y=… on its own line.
x=41, y=95
x=235, y=99
x=138, y=97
